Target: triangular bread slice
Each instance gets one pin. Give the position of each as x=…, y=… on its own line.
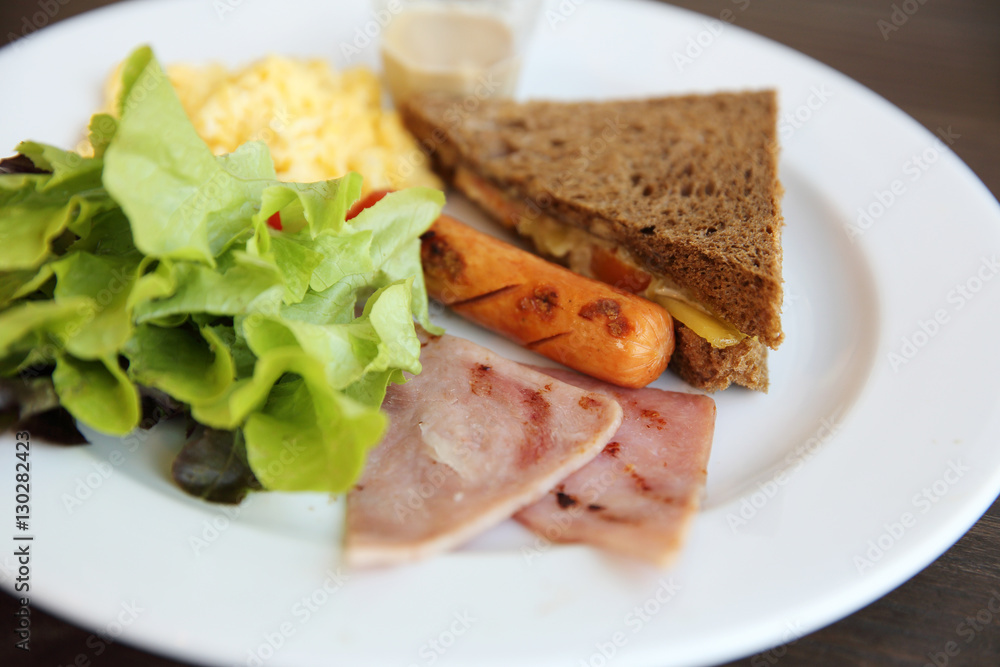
x=686, y=188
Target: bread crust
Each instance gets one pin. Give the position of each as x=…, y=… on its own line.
x=710, y=369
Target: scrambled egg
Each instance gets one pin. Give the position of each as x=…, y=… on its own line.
x=319, y=123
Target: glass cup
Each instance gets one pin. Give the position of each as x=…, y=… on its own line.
x=457, y=47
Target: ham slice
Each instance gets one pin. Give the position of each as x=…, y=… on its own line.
x=639, y=496
x=472, y=439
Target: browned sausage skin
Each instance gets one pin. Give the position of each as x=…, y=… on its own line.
x=591, y=327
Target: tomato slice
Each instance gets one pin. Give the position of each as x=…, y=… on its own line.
x=274, y=222
x=608, y=268
x=360, y=205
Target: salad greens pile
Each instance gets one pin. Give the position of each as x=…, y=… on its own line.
x=151, y=268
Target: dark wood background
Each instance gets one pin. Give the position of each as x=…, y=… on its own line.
x=943, y=68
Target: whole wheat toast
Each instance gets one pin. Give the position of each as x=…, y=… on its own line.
x=687, y=185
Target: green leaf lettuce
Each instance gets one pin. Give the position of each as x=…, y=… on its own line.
x=152, y=264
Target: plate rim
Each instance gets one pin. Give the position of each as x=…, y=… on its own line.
x=957, y=525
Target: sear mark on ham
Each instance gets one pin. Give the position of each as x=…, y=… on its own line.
x=472, y=439
x=639, y=496
x=564, y=499
x=479, y=380
x=539, y=437
x=653, y=419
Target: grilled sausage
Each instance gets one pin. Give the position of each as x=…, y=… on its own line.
x=587, y=325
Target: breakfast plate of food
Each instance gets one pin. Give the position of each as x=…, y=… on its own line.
x=764, y=276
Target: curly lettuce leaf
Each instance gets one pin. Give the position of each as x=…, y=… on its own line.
x=106, y=282
x=239, y=283
x=38, y=208
x=383, y=338
x=190, y=365
x=309, y=438
x=296, y=263
x=100, y=131
x=97, y=393
x=379, y=247
x=17, y=284
x=182, y=201
x=42, y=327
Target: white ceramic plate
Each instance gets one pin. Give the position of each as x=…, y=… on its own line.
x=850, y=476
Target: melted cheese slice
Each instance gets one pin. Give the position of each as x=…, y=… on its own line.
x=718, y=333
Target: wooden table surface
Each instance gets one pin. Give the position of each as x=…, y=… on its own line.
x=942, y=66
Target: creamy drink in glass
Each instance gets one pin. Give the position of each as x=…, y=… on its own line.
x=458, y=47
